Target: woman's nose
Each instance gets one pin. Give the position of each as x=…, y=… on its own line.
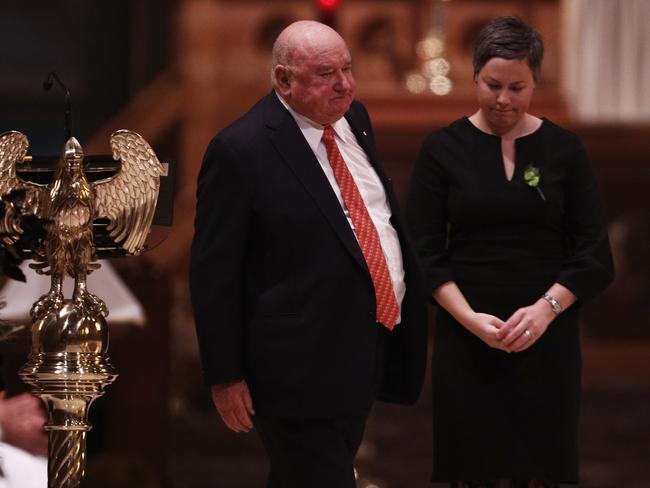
x=502, y=97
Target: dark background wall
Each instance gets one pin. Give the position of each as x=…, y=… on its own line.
x=103, y=50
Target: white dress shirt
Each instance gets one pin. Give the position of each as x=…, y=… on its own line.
x=369, y=184
x=21, y=469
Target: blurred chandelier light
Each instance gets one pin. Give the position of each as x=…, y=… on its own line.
x=433, y=68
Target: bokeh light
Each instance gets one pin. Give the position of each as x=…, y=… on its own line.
x=436, y=67
x=328, y=5
x=415, y=82
x=429, y=47
x=440, y=85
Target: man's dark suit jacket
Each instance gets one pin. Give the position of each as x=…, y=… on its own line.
x=281, y=293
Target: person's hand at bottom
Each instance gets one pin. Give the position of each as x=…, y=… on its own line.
x=22, y=419
x=234, y=404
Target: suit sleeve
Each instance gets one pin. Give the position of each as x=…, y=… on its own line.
x=217, y=263
x=590, y=267
x=426, y=214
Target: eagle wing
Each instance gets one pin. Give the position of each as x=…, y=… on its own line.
x=13, y=148
x=128, y=199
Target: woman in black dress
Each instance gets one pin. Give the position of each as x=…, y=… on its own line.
x=505, y=213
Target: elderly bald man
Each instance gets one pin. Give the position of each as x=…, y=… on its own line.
x=305, y=290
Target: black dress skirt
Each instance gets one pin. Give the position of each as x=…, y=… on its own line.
x=504, y=243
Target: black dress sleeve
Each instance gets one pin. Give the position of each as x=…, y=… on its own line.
x=427, y=216
x=590, y=268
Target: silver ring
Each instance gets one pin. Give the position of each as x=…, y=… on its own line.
x=527, y=334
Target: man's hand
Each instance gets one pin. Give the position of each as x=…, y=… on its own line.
x=234, y=404
x=22, y=419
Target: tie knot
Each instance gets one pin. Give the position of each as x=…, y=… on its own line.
x=328, y=134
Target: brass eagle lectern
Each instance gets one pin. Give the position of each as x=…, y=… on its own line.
x=68, y=366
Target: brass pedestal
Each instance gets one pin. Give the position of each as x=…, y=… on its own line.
x=68, y=369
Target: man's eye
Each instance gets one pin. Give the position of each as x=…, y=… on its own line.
x=516, y=89
x=493, y=87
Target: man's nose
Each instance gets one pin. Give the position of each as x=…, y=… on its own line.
x=344, y=81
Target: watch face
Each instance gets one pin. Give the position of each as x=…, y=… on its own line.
x=555, y=305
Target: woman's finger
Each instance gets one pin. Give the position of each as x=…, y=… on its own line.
x=524, y=341
x=510, y=324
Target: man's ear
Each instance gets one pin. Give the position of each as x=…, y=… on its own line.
x=281, y=76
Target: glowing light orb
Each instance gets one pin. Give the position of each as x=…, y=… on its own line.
x=415, y=82
x=440, y=85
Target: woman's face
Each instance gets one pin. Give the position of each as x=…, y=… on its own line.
x=504, y=89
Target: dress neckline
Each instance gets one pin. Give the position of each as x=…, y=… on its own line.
x=497, y=142
x=498, y=138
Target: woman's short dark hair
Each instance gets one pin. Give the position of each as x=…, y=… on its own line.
x=509, y=38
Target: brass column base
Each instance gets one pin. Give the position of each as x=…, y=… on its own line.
x=66, y=458
x=68, y=369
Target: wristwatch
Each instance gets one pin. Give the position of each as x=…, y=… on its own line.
x=552, y=301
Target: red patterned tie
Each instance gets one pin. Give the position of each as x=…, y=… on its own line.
x=387, y=307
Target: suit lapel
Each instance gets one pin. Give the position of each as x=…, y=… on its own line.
x=362, y=132
x=363, y=135
x=296, y=153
